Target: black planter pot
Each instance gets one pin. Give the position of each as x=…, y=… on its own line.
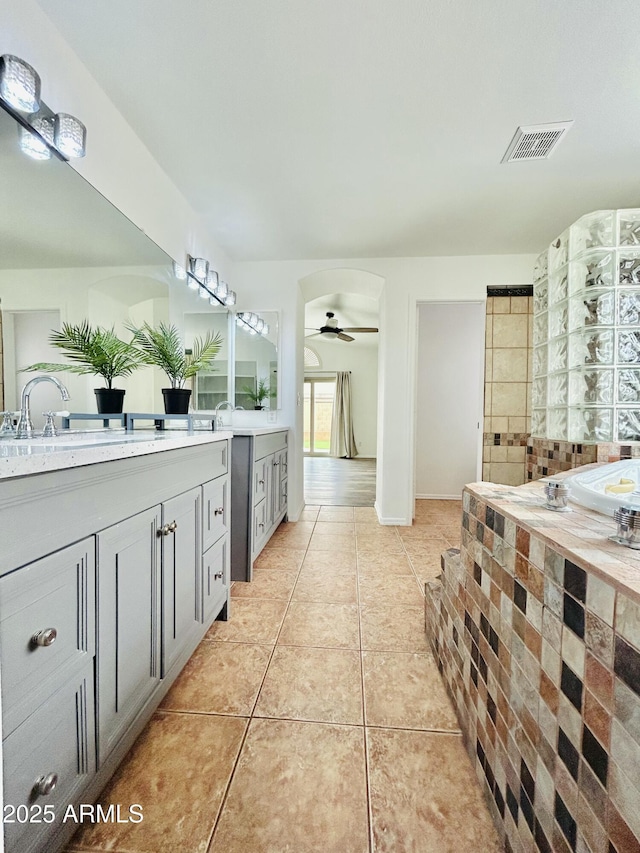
x=258, y=408
x=176, y=400
x=109, y=400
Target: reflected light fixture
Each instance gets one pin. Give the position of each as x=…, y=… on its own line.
x=230, y=298
x=69, y=136
x=19, y=84
x=204, y=293
x=199, y=267
x=192, y=282
x=179, y=272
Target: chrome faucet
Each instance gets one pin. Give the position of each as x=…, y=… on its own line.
x=219, y=421
x=25, y=426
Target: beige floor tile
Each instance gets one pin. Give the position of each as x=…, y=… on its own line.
x=425, y=547
x=330, y=543
x=428, y=573
x=398, y=589
x=220, y=678
x=393, y=628
x=178, y=771
x=370, y=544
x=297, y=680
x=298, y=787
x=419, y=532
x=383, y=564
x=285, y=559
x=330, y=586
x=297, y=541
x=309, y=513
x=365, y=513
x=266, y=583
x=297, y=527
x=404, y=690
x=336, y=513
x=253, y=620
x=333, y=528
x=341, y=561
x=425, y=796
x=321, y=625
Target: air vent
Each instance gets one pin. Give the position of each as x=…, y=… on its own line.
x=537, y=142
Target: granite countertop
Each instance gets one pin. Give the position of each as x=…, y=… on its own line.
x=26, y=457
x=581, y=536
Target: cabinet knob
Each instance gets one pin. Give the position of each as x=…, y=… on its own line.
x=261, y=482
x=173, y=526
x=219, y=510
x=275, y=464
x=46, y=637
x=217, y=576
x=45, y=784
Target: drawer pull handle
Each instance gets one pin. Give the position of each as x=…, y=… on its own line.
x=217, y=576
x=45, y=784
x=261, y=524
x=261, y=482
x=168, y=529
x=219, y=511
x=46, y=637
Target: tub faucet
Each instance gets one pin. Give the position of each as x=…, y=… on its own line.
x=219, y=421
x=25, y=426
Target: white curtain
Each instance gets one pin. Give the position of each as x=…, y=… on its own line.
x=343, y=442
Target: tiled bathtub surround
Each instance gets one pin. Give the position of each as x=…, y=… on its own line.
x=536, y=628
x=546, y=457
x=507, y=386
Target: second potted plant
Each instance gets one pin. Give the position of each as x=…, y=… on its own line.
x=259, y=395
x=96, y=351
x=162, y=347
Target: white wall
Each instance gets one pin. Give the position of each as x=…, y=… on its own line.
x=449, y=416
x=362, y=361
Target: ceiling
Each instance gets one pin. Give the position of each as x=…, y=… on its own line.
x=351, y=310
x=369, y=128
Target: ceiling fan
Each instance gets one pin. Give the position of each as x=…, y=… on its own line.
x=331, y=329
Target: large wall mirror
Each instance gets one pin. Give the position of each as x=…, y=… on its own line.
x=67, y=254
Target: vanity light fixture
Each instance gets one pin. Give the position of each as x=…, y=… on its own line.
x=221, y=290
x=199, y=267
x=252, y=323
x=19, y=84
x=230, y=298
x=37, y=143
x=204, y=293
x=192, y=283
x=70, y=136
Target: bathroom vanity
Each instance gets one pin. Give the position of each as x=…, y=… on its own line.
x=115, y=560
x=259, y=474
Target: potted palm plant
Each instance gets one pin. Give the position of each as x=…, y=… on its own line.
x=96, y=351
x=259, y=395
x=162, y=347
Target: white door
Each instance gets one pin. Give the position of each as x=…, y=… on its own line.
x=450, y=397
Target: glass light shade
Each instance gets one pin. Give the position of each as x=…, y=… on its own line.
x=230, y=298
x=179, y=272
x=252, y=332
x=259, y=325
x=212, y=280
x=239, y=320
x=213, y=301
x=70, y=136
x=193, y=283
x=253, y=320
x=19, y=84
x=33, y=145
x=204, y=293
x=200, y=268
x=265, y=330
x=222, y=289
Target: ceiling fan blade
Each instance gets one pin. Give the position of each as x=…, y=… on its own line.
x=361, y=329
x=344, y=337
x=314, y=335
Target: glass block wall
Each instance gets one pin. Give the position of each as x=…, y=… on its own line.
x=586, y=331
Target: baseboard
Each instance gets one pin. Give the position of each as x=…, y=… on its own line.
x=439, y=497
x=294, y=515
x=399, y=522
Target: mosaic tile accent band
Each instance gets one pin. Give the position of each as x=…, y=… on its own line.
x=541, y=658
x=546, y=457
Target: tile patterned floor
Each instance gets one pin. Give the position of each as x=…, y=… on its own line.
x=314, y=721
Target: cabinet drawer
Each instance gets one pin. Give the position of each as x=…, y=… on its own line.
x=218, y=462
x=216, y=509
x=215, y=578
x=54, y=595
x=261, y=473
x=269, y=443
x=58, y=738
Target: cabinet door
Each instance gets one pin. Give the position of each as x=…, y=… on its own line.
x=181, y=592
x=48, y=761
x=261, y=473
x=128, y=625
x=280, y=471
x=216, y=511
x=260, y=525
x=215, y=578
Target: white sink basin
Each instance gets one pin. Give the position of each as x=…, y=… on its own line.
x=588, y=488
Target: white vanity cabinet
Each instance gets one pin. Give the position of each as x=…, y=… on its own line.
x=93, y=634
x=259, y=462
